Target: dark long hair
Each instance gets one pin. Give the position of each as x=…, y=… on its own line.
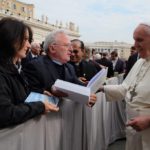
x=12, y=33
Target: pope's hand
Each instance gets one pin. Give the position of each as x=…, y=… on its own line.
x=101, y=89
x=139, y=123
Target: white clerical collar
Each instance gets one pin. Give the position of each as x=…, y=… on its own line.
x=57, y=62
x=33, y=56
x=78, y=63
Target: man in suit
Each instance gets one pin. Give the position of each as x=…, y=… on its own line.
x=104, y=61
x=118, y=64
x=32, y=54
x=134, y=56
x=84, y=69
x=43, y=71
x=130, y=62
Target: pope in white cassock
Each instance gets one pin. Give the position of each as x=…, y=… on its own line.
x=135, y=89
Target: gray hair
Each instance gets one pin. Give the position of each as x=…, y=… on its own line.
x=146, y=24
x=51, y=38
x=34, y=44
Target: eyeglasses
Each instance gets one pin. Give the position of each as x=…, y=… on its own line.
x=65, y=45
x=75, y=51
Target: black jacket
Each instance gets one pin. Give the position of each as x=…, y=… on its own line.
x=120, y=66
x=85, y=69
x=130, y=63
x=42, y=74
x=13, y=92
x=107, y=63
x=27, y=59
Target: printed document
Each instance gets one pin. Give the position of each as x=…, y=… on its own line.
x=34, y=97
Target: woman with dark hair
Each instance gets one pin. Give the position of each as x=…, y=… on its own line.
x=15, y=38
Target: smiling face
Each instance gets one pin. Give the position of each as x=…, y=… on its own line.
x=61, y=49
x=142, y=40
x=77, y=53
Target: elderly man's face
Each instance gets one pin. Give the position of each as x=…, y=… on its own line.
x=142, y=40
x=36, y=49
x=61, y=49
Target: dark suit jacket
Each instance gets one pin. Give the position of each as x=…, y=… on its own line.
x=107, y=63
x=85, y=69
x=42, y=74
x=131, y=61
x=27, y=59
x=120, y=66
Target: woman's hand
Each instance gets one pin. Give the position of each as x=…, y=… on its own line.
x=92, y=100
x=50, y=107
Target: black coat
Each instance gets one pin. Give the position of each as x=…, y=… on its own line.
x=27, y=59
x=107, y=63
x=131, y=61
x=13, y=92
x=85, y=69
x=42, y=74
x=120, y=66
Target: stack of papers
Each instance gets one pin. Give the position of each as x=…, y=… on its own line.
x=34, y=97
x=75, y=92
x=97, y=81
x=80, y=93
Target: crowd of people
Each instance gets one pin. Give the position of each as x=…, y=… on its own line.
x=27, y=66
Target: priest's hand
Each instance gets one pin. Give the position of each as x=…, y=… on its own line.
x=58, y=93
x=83, y=80
x=92, y=100
x=47, y=93
x=139, y=123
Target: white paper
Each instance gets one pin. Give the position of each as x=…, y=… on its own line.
x=34, y=97
x=80, y=93
x=98, y=80
x=75, y=92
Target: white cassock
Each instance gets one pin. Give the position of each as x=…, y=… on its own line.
x=135, y=89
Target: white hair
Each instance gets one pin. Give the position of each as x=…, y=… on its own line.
x=97, y=56
x=51, y=38
x=146, y=24
x=34, y=44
